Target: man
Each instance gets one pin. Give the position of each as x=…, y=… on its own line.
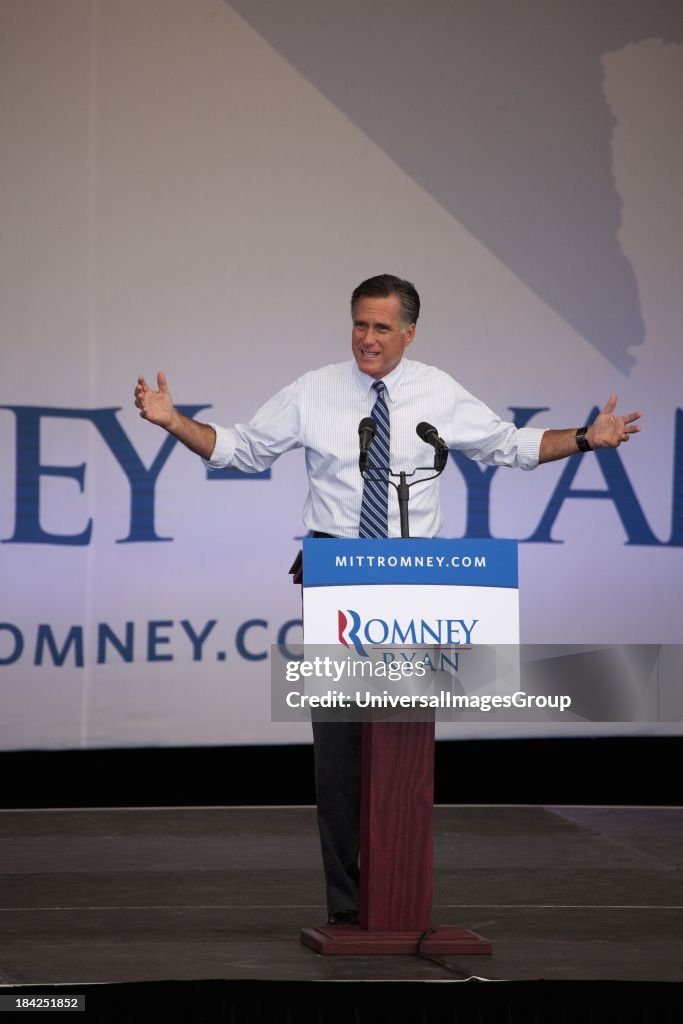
x=320, y=412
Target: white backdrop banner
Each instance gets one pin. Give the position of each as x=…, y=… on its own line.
x=197, y=186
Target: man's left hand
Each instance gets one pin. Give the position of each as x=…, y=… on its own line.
x=608, y=430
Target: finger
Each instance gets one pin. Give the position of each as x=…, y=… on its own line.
x=610, y=405
x=142, y=384
x=632, y=416
x=162, y=382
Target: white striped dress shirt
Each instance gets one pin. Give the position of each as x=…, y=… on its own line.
x=320, y=413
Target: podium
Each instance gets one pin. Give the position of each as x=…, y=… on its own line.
x=407, y=599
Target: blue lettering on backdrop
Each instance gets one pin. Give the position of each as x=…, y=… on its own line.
x=18, y=643
x=29, y=471
x=45, y=637
x=125, y=648
x=283, y=638
x=155, y=639
x=240, y=644
x=197, y=639
x=142, y=482
x=236, y=474
x=60, y=646
x=619, y=490
x=676, y=539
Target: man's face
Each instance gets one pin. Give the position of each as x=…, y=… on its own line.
x=379, y=338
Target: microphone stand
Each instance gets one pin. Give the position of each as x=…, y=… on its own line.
x=403, y=492
x=402, y=488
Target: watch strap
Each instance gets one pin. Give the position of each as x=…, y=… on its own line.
x=581, y=440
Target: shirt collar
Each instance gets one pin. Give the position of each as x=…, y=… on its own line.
x=391, y=381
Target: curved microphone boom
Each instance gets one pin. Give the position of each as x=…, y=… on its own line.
x=366, y=432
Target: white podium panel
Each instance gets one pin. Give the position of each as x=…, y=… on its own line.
x=406, y=593
x=444, y=606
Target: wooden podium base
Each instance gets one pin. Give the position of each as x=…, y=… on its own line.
x=352, y=940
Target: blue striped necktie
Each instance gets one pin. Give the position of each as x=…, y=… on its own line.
x=374, y=509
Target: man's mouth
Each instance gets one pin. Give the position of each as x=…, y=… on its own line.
x=367, y=354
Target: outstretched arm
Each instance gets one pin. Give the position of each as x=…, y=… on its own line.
x=157, y=407
x=606, y=431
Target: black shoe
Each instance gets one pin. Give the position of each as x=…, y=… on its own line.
x=343, y=917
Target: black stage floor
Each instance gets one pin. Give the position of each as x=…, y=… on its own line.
x=107, y=896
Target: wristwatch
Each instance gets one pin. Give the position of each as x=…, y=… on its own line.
x=581, y=440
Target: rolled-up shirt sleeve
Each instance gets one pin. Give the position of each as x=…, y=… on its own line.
x=480, y=434
x=528, y=446
x=254, y=446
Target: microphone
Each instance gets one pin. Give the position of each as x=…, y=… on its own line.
x=430, y=434
x=366, y=432
x=426, y=432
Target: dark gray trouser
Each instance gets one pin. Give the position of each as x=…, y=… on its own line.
x=337, y=747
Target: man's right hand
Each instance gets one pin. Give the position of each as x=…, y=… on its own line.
x=155, y=406
x=158, y=407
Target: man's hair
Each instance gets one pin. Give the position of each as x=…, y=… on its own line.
x=384, y=285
